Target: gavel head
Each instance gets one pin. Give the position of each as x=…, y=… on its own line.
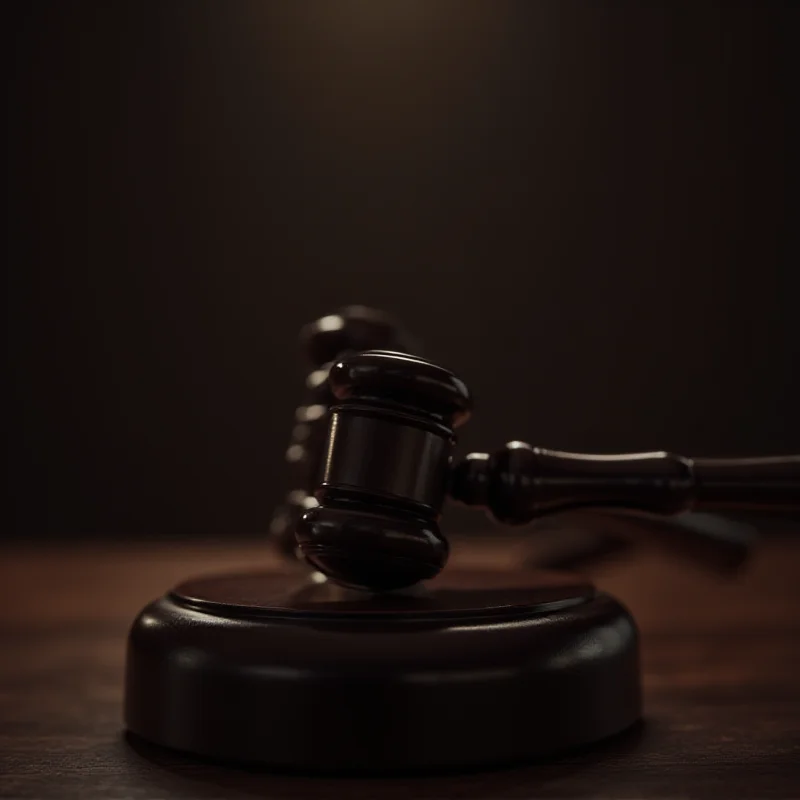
x=348, y=330
x=385, y=472
x=353, y=329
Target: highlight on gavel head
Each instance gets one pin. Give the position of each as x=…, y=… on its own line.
x=385, y=472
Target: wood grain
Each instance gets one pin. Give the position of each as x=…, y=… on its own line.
x=721, y=672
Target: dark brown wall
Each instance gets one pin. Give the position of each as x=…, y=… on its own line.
x=582, y=207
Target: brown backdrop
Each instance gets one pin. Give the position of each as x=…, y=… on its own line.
x=582, y=207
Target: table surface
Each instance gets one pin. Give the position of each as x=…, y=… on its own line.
x=721, y=661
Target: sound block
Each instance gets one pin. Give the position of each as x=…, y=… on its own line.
x=477, y=669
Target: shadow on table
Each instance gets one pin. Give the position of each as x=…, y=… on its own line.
x=180, y=775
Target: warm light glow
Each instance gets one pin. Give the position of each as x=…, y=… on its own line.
x=310, y=413
x=333, y=322
x=295, y=453
x=317, y=378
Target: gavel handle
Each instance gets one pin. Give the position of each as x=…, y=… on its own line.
x=520, y=482
x=757, y=484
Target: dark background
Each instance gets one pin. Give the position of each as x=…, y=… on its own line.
x=583, y=208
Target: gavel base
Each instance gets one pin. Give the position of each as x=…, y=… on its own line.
x=480, y=669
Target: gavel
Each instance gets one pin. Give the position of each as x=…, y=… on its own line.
x=350, y=329
x=388, y=467
x=542, y=661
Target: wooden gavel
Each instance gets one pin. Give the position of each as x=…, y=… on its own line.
x=388, y=467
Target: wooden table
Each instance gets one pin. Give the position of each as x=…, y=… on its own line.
x=721, y=675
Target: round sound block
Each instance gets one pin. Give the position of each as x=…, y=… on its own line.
x=477, y=669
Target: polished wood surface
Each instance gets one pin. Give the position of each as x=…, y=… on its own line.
x=721, y=674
